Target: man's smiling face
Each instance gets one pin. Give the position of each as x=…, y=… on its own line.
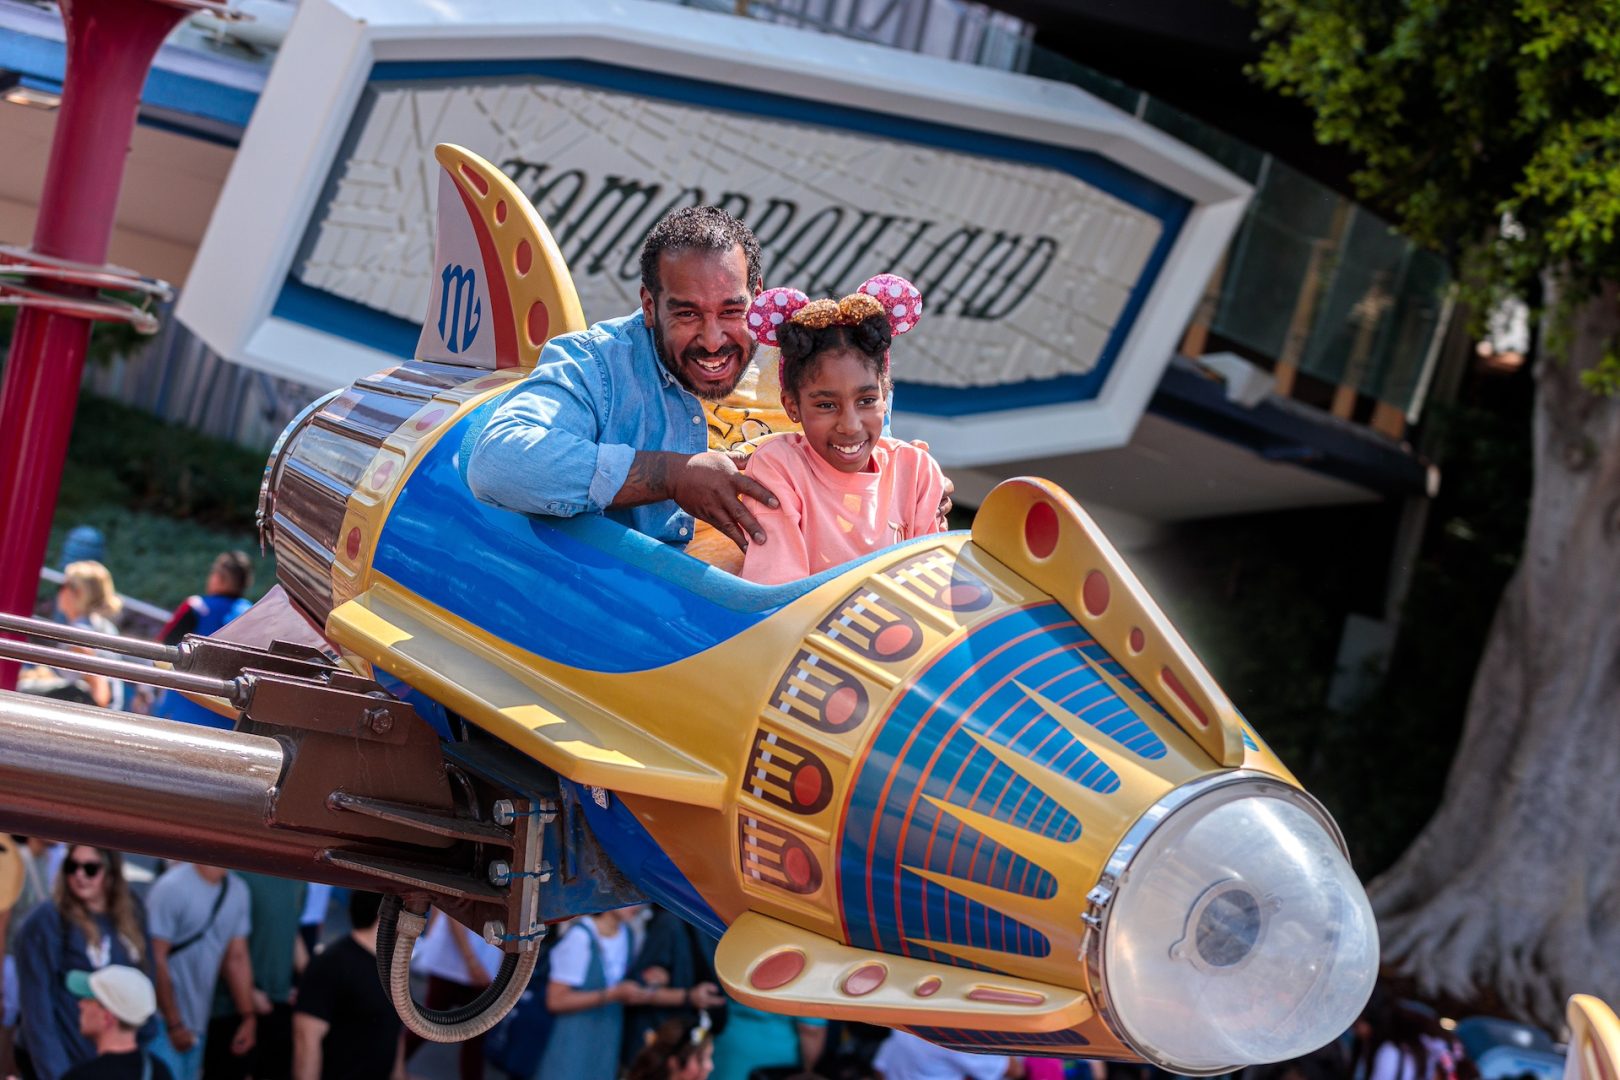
x=699, y=319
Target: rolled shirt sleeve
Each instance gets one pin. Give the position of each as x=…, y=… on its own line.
x=541, y=452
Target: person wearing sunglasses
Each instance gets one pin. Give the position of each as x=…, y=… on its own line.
x=91, y=922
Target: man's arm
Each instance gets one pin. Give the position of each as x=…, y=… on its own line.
x=541, y=452
x=706, y=485
x=462, y=937
x=308, y=1031
x=181, y=1037
x=238, y=971
x=812, y=1041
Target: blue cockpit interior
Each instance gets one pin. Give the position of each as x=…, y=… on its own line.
x=586, y=591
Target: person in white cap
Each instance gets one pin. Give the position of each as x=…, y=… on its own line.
x=114, y=1002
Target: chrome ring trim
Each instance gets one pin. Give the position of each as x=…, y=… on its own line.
x=266, y=512
x=1099, y=908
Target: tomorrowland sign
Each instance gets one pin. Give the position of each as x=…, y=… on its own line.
x=1062, y=243
x=1027, y=270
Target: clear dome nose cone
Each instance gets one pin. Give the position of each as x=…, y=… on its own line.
x=1238, y=935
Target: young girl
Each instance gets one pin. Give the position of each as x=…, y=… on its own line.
x=844, y=488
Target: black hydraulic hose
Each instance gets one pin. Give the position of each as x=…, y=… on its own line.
x=443, y=1025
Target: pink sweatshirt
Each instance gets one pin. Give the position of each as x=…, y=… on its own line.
x=829, y=517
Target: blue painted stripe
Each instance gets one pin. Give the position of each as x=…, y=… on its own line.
x=43, y=61
x=346, y=319
x=927, y=743
x=540, y=588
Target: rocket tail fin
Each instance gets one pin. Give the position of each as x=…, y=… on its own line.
x=499, y=287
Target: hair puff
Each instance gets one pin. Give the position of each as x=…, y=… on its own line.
x=899, y=297
x=770, y=310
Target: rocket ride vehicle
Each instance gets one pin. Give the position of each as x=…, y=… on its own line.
x=973, y=785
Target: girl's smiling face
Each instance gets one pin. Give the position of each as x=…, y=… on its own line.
x=840, y=404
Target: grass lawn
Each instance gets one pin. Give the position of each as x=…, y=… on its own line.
x=166, y=498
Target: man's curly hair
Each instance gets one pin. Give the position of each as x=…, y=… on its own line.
x=697, y=228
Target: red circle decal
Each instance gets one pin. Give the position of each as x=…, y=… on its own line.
x=352, y=544
x=500, y=212
x=538, y=322
x=808, y=784
x=1041, y=530
x=1138, y=639
x=796, y=864
x=430, y=418
x=865, y=979
x=523, y=257
x=892, y=639
x=840, y=706
x=1095, y=592
x=777, y=970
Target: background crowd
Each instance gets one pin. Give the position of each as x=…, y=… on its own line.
x=231, y=992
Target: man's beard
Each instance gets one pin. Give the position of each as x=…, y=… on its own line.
x=673, y=364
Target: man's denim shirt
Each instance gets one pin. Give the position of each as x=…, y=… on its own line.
x=562, y=442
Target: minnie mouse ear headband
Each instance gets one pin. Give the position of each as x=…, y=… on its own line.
x=888, y=294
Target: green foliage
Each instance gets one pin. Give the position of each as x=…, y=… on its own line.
x=1490, y=131
x=163, y=468
x=167, y=500
x=107, y=340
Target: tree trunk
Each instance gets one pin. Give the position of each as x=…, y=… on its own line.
x=1514, y=886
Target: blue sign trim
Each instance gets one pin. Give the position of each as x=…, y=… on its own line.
x=300, y=303
x=42, y=61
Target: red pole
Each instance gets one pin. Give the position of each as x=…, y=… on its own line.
x=110, y=46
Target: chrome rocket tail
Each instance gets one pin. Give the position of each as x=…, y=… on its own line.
x=326, y=777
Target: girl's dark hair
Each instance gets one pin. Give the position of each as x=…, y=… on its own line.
x=676, y=1042
x=802, y=345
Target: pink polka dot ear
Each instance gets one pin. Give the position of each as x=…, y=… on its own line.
x=770, y=310
x=899, y=298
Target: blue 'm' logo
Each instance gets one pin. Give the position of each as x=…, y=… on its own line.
x=460, y=311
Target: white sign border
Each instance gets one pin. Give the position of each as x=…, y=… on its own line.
x=309, y=100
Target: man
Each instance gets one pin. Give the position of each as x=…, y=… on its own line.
x=199, y=918
x=344, y=1027
x=274, y=908
x=458, y=966
x=648, y=418
x=113, y=1004
x=613, y=421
